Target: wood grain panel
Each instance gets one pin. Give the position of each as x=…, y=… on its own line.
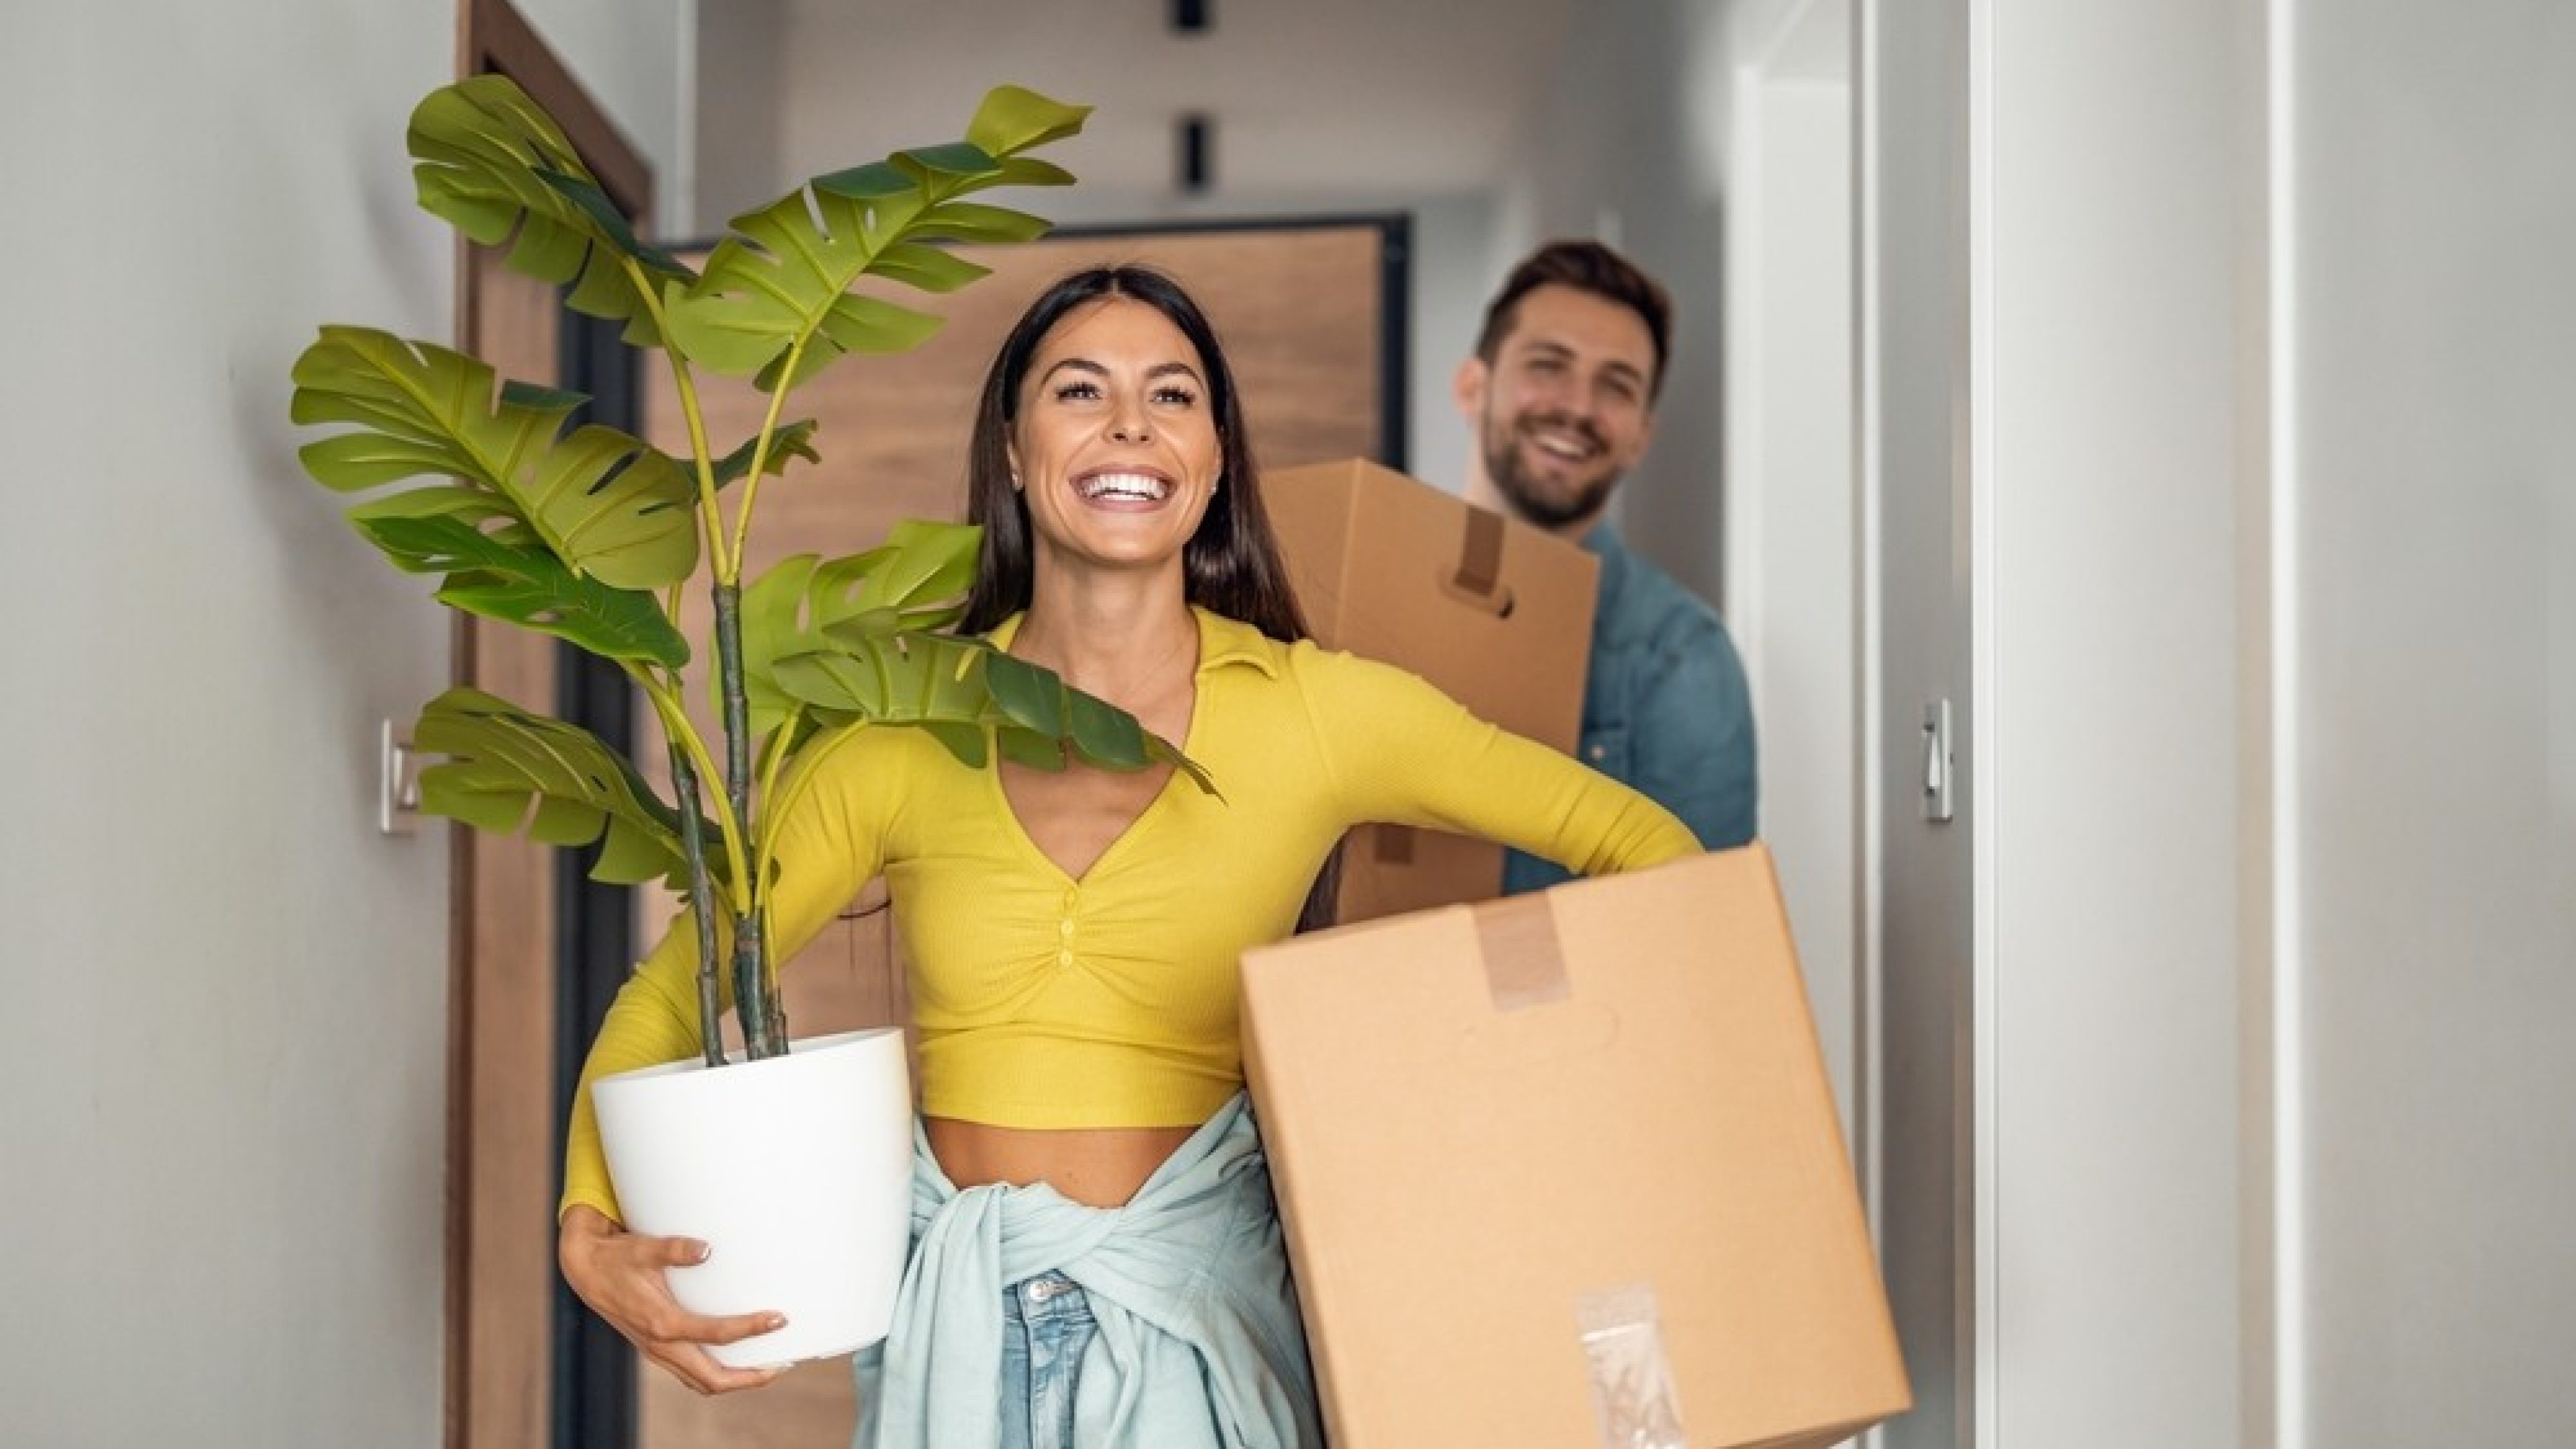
x=503, y=1173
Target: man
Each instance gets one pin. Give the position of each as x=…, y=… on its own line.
x=1561, y=394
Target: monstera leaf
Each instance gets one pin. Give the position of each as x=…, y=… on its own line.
x=780, y=290
x=957, y=689
x=792, y=440
x=525, y=584
x=609, y=505
x=512, y=771
x=493, y=164
x=915, y=581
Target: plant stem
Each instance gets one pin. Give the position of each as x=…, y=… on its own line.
x=710, y=517
x=666, y=704
x=702, y=904
x=775, y=761
x=760, y=447
x=753, y=1003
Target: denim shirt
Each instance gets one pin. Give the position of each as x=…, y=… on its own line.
x=1199, y=1344
x=1665, y=707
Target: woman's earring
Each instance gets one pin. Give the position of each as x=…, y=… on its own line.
x=1015, y=482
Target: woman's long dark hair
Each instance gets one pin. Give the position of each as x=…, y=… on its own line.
x=1231, y=566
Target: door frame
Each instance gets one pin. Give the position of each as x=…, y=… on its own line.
x=501, y=917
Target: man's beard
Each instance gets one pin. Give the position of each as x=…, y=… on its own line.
x=1529, y=496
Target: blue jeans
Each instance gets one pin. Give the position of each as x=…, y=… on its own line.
x=1046, y=1325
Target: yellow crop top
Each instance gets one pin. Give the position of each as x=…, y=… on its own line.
x=1045, y=1001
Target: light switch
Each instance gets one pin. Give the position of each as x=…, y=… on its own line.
x=397, y=782
x=1938, y=767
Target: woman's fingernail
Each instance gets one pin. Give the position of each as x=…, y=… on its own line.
x=775, y=1321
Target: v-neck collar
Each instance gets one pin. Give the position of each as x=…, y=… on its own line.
x=1222, y=642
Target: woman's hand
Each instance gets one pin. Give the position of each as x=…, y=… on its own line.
x=620, y=1275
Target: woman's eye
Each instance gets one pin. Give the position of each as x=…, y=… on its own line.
x=1076, y=391
x=1175, y=396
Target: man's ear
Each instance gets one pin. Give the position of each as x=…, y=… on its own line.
x=1468, y=387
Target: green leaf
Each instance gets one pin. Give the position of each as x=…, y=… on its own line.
x=773, y=624
x=803, y=603
x=961, y=685
x=526, y=585
x=1013, y=119
x=492, y=163
x=472, y=506
x=608, y=504
x=955, y=160
x=970, y=221
x=931, y=269
x=792, y=440
x=780, y=287
x=1030, y=171
x=1033, y=698
x=512, y=771
x=867, y=183
x=1104, y=733
x=921, y=564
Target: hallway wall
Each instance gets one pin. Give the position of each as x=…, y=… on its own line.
x=226, y=1071
x=2430, y=584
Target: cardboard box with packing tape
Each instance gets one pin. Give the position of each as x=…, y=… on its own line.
x=1566, y=1170
x=1496, y=613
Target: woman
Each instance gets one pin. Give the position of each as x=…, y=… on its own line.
x=1097, y=1258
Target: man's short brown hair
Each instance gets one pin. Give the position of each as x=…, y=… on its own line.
x=1586, y=266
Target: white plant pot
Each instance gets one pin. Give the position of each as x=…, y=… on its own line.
x=795, y=1171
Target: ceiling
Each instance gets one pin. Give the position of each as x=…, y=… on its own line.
x=1314, y=102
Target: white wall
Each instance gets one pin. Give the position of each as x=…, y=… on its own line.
x=1455, y=269
x=223, y=1142
x=741, y=52
x=639, y=61
x=2434, y=579
x=1793, y=537
x=2104, y=259
x=2269, y=530
x=1628, y=144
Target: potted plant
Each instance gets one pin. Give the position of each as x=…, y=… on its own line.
x=590, y=534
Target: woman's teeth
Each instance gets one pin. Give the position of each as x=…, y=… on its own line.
x=1143, y=487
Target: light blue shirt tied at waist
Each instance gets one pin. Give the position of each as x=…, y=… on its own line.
x=1198, y=1341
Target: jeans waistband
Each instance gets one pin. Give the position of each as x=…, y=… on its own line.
x=1044, y=1297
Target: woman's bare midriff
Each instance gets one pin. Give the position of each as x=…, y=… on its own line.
x=1095, y=1166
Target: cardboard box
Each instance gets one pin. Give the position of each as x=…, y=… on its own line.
x=1495, y=612
x=1564, y=1154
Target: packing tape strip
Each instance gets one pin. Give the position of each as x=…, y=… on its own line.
x=1633, y=1396
x=1524, y=960
x=1393, y=844
x=1480, y=554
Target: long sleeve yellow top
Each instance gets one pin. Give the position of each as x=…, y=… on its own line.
x=1110, y=1000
